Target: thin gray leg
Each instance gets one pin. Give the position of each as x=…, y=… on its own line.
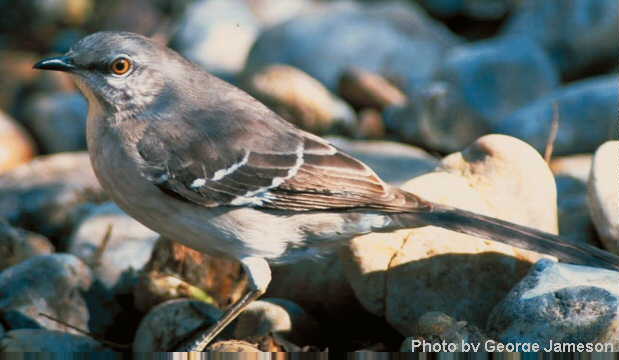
x=259, y=278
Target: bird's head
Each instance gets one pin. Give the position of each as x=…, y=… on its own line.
x=119, y=71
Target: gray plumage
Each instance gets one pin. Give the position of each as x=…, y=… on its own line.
x=202, y=162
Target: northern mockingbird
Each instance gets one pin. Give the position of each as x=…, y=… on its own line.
x=202, y=162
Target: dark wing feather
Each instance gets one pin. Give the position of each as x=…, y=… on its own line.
x=251, y=157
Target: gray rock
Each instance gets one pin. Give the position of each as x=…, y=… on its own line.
x=477, y=85
x=278, y=316
x=574, y=221
x=603, y=194
x=169, y=323
x=58, y=121
x=17, y=245
x=217, y=34
x=48, y=284
x=39, y=340
x=44, y=194
x=394, y=162
x=115, y=258
x=587, y=114
x=576, y=33
x=127, y=249
x=477, y=9
x=313, y=43
x=560, y=302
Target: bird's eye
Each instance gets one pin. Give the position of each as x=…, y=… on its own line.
x=121, y=66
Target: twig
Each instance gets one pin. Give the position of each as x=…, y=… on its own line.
x=552, y=136
x=96, y=258
x=97, y=338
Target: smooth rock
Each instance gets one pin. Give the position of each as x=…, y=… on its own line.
x=560, y=302
x=168, y=324
x=48, y=284
x=44, y=195
x=476, y=9
x=300, y=99
x=407, y=273
x=16, y=146
x=477, y=85
x=604, y=194
x=575, y=166
x=272, y=12
x=364, y=89
x=17, y=245
x=233, y=346
x=587, y=112
x=276, y=316
x=174, y=271
x=217, y=34
x=58, y=121
x=117, y=257
x=372, y=43
x=371, y=125
x=395, y=163
x=576, y=33
x=40, y=340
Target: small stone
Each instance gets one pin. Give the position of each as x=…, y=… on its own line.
x=300, y=99
x=114, y=244
x=58, y=121
x=576, y=33
x=16, y=146
x=17, y=245
x=175, y=271
x=276, y=316
x=478, y=84
x=45, y=284
x=40, y=340
x=394, y=162
x=233, y=346
x=217, y=34
x=587, y=112
x=168, y=324
x=562, y=303
x=45, y=194
x=604, y=194
x=459, y=275
x=372, y=43
x=366, y=89
x=576, y=166
x=371, y=125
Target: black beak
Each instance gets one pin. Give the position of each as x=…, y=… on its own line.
x=59, y=63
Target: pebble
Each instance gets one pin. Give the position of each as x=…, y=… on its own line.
x=562, y=303
x=16, y=146
x=406, y=273
x=478, y=84
x=587, y=112
x=300, y=99
x=276, y=316
x=169, y=323
x=17, y=245
x=365, y=89
x=58, y=121
x=576, y=33
x=41, y=340
x=45, y=194
x=45, y=284
x=603, y=194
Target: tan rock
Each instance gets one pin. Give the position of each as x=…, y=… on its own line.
x=233, y=346
x=404, y=274
x=363, y=88
x=604, y=194
x=299, y=98
x=16, y=146
x=17, y=245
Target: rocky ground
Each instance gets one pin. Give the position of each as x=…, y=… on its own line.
x=455, y=101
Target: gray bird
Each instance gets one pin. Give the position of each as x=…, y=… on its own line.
x=203, y=163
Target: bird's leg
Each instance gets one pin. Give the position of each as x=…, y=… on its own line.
x=259, y=275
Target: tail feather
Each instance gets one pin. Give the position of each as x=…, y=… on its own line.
x=486, y=227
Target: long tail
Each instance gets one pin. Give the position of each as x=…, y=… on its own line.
x=512, y=234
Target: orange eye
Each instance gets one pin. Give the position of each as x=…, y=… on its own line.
x=121, y=66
